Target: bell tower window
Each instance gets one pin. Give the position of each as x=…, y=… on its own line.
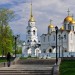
x=28, y=31
x=50, y=50
x=73, y=28
x=28, y=41
x=65, y=36
x=34, y=40
x=44, y=39
x=54, y=37
x=34, y=32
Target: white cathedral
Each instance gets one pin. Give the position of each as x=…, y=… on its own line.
x=65, y=38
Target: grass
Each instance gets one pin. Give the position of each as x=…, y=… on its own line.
x=3, y=59
x=67, y=67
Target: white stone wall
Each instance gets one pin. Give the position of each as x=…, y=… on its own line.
x=63, y=43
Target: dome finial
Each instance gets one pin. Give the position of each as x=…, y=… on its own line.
x=68, y=12
x=51, y=21
x=51, y=26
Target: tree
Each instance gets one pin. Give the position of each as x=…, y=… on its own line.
x=6, y=35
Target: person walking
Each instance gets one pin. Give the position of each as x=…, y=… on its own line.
x=8, y=59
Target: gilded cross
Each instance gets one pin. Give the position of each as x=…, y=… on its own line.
x=68, y=11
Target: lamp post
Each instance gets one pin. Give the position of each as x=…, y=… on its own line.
x=15, y=37
x=56, y=28
x=62, y=45
x=59, y=46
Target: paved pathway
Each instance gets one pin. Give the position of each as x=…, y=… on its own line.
x=27, y=67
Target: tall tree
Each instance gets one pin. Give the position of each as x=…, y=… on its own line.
x=6, y=35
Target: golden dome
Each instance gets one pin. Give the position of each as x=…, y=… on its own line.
x=31, y=19
x=51, y=26
x=68, y=18
x=62, y=28
x=72, y=22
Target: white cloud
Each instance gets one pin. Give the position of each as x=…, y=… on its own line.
x=43, y=11
x=5, y=1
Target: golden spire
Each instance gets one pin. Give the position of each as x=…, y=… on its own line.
x=31, y=15
x=31, y=10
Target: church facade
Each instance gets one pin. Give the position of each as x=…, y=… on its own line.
x=65, y=38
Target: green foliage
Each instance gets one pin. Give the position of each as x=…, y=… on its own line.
x=6, y=35
x=6, y=15
x=67, y=67
x=29, y=56
x=19, y=51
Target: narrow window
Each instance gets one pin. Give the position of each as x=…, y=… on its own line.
x=48, y=38
x=65, y=36
x=68, y=27
x=34, y=32
x=54, y=37
x=28, y=31
x=50, y=50
x=44, y=51
x=65, y=26
x=28, y=41
x=44, y=39
x=73, y=28
x=34, y=40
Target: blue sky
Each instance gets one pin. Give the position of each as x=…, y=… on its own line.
x=43, y=11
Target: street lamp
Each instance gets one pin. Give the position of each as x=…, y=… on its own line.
x=62, y=45
x=59, y=46
x=56, y=28
x=15, y=37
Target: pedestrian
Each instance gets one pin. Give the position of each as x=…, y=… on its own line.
x=8, y=59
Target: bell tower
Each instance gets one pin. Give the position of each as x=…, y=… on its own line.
x=32, y=38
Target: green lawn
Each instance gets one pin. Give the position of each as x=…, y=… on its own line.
x=67, y=67
x=4, y=59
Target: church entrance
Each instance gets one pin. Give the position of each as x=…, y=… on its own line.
x=50, y=50
x=29, y=51
x=37, y=51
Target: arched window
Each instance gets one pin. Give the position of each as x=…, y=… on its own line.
x=65, y=50
x=28, y=41
x=65, y=36
x=28, y=31
x=48, y=38
x=34, y=40
x=73, y=28
x=65, y=26
x=44, y=39
x=44, y=51
x=34, y=32
x=54, y=37
x=68, y=26
x=50, y=50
